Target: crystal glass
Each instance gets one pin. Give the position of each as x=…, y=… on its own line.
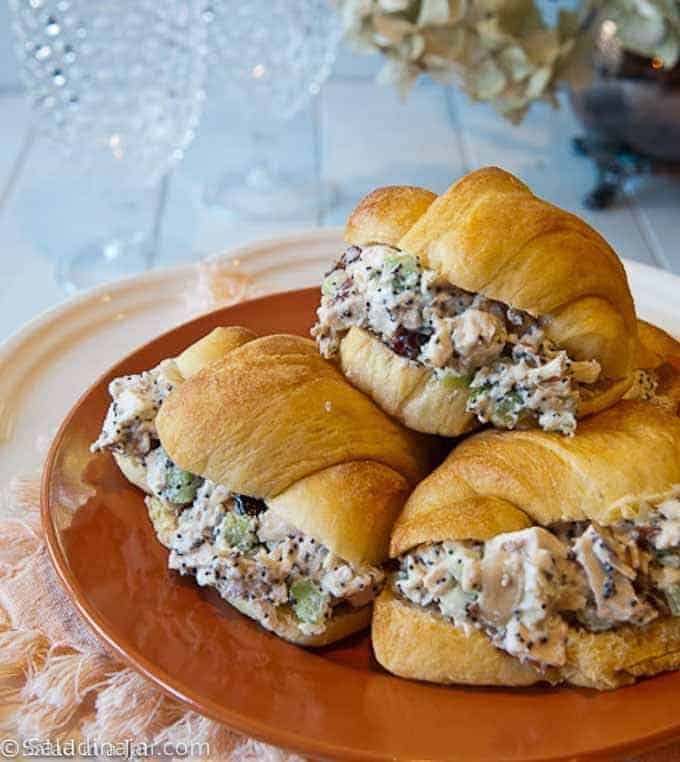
x=118, y=87
x=274, y=55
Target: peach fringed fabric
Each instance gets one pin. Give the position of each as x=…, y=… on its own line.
x=58, y=681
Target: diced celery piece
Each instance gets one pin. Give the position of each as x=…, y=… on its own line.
x=308, y=600
x=180, y=486
x=407, y=263
x=507, y=408
x=237, y=531
x=403, y=266
x=450, y=380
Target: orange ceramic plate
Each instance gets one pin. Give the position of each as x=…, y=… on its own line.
x=334, y=703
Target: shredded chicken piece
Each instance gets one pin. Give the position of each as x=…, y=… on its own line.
x=526, y=581
x=605, y=560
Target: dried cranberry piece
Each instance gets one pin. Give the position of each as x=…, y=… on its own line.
x=250, y=506
x=408, y=343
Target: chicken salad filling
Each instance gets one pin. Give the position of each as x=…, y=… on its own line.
x=525, y=589
x=242, y=548
x=516, y=376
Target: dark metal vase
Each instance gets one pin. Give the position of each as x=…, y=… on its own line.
x=631, y=115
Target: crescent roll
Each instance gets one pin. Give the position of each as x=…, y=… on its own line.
x=529, y=557
x=270, y=478
x=483, y=305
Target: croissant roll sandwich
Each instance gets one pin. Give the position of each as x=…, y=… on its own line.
x=530, y=557
x=273, y=480
x=483, y=305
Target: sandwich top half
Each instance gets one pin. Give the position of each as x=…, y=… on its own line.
x=268, y=477
x=526, y=557
x=483, y=305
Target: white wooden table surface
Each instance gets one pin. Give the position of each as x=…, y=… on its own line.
x=356, y=135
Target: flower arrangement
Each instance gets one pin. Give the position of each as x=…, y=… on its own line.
x=503, y=51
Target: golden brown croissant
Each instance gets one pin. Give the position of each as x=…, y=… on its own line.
x=531, y=557
x=483, y=303
x=303, y=479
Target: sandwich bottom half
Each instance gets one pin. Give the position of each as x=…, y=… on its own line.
x=418, y=644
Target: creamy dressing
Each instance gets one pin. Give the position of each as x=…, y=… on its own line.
x=669, y=527
x=664, y=521
x=516, y=376
x=447, y=575
x=524, y=589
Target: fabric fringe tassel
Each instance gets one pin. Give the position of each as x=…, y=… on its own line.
x=22, y=653
x=207, y=739
x=53, y=696
x=22, y=497
x=20, y=540
x=128, y=706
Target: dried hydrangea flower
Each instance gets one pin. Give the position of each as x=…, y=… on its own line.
x=502, y=51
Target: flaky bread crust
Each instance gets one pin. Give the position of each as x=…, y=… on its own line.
x=259, y=421
x=660, y=352
x=212, y=347
x=607, y=660
x=415, y=643
x=622, y=455
x=488, y=233
x=655, y=347
x=386, y=214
